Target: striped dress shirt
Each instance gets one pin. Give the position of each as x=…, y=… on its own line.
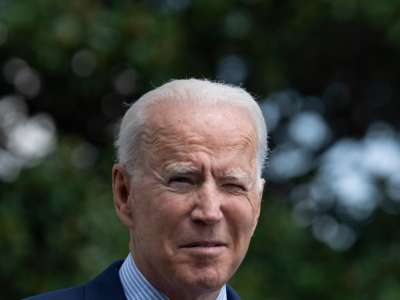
x=136, y=286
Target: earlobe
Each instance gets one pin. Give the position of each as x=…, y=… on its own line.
x=121, y=186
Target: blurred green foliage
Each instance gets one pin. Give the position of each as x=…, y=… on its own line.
x=57, y=225
x=57, y=222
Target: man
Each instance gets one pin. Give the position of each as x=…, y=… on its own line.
x=188, y=187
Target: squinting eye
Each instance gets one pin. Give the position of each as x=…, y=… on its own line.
x=180, y=181
x=234, y=187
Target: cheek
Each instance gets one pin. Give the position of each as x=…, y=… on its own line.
x=172, y=210
x=242, y=217
x=144, y=213
x=161, y=215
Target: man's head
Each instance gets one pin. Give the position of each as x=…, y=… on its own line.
x=188, y=183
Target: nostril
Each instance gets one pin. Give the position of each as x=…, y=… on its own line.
x=207, y=215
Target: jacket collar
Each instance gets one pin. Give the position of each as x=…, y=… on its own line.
x=107, y=286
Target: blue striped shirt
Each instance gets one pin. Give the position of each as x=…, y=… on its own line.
x=136, y=286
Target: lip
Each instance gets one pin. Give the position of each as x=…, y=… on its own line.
x=203, y=244
x=204, y=247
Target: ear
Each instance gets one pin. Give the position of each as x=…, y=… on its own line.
x=121, y=186
x=261, y=190
x=258, y=203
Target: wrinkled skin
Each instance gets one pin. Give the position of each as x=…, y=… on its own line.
x=194, y=208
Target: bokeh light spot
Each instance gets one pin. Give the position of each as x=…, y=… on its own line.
x=83, y=63
x=309, y=130
x=12, y=67
x=271, y=114
x=124, y=82
x=27, y=82
x=13, y=110
x=33, y=139
x=232, y=69
x=288, y=162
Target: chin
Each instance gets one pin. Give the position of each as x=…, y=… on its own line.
x=210, y=283
x=208, y=278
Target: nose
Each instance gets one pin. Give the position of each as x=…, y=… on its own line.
x=207, y=209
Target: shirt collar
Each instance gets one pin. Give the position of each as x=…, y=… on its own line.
x=136, y=286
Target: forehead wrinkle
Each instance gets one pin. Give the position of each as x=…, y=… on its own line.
x=246, y=140
x=153, y=136
x=181, y=140
x=165, y=139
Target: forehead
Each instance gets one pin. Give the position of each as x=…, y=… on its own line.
x=219, y=125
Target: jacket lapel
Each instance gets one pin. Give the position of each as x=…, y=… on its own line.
x=231, y=293
x=106, y=286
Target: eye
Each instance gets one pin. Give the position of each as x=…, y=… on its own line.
x=180, y=182
x=234, y=187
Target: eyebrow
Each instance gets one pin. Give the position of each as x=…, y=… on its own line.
x=180, y=168
x=183, y=168
x=237, y=174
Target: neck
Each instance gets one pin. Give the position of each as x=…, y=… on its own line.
x=177, y=291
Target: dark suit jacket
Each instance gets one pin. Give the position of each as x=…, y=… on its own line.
x=106, y=286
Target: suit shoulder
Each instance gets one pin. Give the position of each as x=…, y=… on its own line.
x=75, y=293
x=105, y=286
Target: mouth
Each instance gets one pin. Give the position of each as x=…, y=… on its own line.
x=204, y=248
x=203, y=244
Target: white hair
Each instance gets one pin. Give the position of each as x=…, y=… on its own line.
x=195, y=91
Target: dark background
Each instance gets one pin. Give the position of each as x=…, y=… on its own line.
x=326, y=74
